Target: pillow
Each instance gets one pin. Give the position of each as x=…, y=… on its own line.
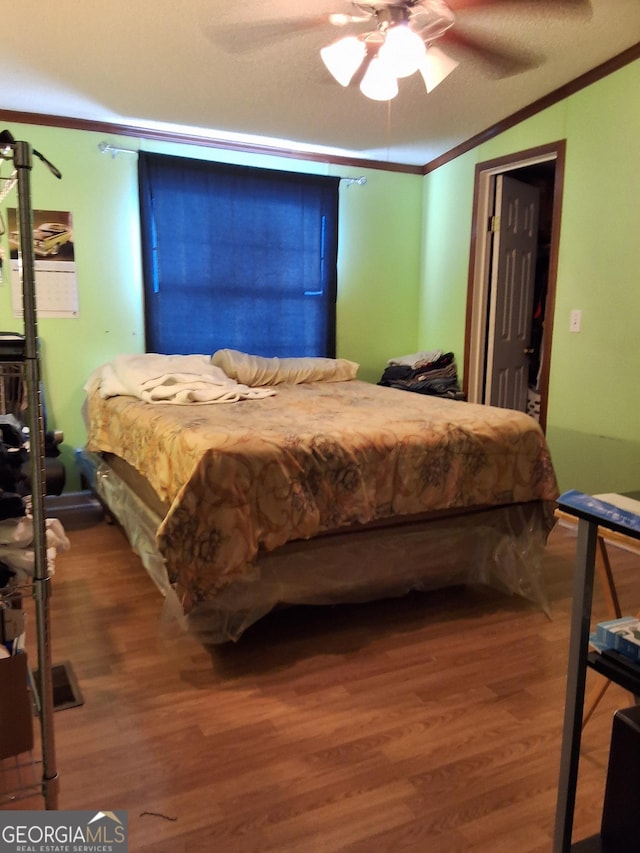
x=254, y=370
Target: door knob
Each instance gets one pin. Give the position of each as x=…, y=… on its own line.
x=528, y=350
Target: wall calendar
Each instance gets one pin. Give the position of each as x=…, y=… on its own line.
x=56, y=285
x=56, y=289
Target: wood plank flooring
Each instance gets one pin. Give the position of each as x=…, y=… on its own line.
x=426, y=723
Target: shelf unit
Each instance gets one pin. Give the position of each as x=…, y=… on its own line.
x=592, y=514
x=24, y=351
x=625, y=674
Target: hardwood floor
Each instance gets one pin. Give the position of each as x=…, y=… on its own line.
x=427, y=723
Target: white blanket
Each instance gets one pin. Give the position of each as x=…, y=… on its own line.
x=179, y=379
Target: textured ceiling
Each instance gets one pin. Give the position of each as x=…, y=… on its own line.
x=254, y=69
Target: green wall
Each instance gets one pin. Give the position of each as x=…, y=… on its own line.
x=379, y=262
x=445, y=256
x=593, y=422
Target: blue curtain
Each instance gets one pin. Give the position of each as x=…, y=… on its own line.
x=237, y=257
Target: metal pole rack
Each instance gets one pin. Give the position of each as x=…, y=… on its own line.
x=21, y=154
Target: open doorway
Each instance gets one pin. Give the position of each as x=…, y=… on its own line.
x=542, y=168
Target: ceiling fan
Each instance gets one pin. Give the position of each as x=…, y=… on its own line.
x=400, y=44
x=408, y=36
x=440, y=29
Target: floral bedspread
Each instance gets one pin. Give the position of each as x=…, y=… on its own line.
x=256, y=474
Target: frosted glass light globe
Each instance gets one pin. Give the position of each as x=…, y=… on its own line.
x=343, y=58
x=379, y=83
x=403, y=50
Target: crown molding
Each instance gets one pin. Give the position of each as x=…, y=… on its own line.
x=133, y=131
x=582, y=82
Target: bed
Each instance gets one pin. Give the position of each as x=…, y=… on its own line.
x=286, y=482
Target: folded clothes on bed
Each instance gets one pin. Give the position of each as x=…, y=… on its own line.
x=414, y=359
x=435, y=374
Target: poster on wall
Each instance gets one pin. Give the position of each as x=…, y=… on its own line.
x=55, y=264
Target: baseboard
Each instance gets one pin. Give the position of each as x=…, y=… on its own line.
x=74, y=509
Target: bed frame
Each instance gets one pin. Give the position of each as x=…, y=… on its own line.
x=498, y=546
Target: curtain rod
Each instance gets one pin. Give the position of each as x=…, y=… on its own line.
x=107, y=148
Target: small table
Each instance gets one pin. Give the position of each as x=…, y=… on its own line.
x=597, y=519
x=629, y=502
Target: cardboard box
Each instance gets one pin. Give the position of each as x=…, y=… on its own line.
x=16, y=707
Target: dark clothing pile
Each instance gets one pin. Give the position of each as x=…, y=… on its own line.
x=433, y=373
x=13, y=457
x=12, y=479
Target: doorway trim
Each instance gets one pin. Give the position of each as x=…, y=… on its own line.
x=477, y=316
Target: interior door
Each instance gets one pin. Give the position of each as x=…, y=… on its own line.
x=513, y=267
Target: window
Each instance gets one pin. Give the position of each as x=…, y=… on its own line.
x=237, y=257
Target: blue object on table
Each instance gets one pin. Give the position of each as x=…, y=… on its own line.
x=594, y=509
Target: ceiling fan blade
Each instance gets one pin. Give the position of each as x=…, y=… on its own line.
x=237, y=37
x=242, y=37
x=556, y=8
x=340, y=19
x=499, y=61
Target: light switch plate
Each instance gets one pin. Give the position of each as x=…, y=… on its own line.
x=575, y=320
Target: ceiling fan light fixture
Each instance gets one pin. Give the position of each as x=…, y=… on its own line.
x=379, y=83
x=432, y=19
x=435, y=66
x=343, y=58
x=403, y=50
